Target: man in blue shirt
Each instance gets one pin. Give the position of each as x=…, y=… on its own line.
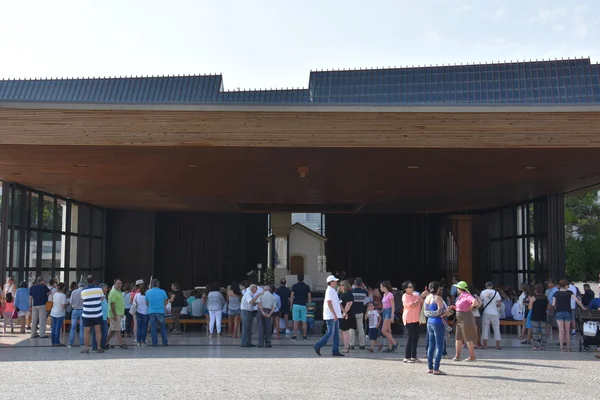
x=157, y=300
x=38, y=295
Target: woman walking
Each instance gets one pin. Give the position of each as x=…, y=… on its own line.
x=435, y=310
x=348, y=320
x=562, y=312
x=466, y=328
x=412, y=304
x=389, y=305
x=141, y=315
x=234, y=311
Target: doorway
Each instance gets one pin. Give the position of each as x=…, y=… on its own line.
x=297, y=265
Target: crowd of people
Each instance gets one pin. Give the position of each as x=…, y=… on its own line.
x=352, y=312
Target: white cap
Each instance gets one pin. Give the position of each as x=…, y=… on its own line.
x=332, y=278
x=139, y=282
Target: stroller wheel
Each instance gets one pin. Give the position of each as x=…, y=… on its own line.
x=586, y=347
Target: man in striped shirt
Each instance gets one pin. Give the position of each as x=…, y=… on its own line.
x=92, y=312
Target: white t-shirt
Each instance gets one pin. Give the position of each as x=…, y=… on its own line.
x=574, y=290
x=197, y=308
x=490, y=296
x=52, y=292
x=331, y=295
x=502, y=311
x=142, y=305
x=518, y=311
x=58, y=300
x=373, y=318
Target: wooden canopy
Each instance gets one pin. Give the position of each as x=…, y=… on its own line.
x=247, y=158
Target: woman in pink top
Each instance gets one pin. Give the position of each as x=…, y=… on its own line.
x=412, y=304
x=466, y=327
x=389, y=305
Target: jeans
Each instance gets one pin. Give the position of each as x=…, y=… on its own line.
x=360, y=328
x=215, y=319
x=265, y=329
x=247, y=318
x=142, y=327
x=160, y=319
x=333, y=328
x=38, y=317
x=76, y=320
x=445, y=353
x=57, y=324
x=103, y=333
x=437, y=335
x=412, y=342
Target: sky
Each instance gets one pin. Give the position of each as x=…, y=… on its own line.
x=276, y=43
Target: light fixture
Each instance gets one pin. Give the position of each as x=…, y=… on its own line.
x=412, y=167
x=303, y=171
x=80, y=165
x=530, y=168
x=192, y=166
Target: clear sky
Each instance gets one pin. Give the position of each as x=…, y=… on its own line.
x=275, y=43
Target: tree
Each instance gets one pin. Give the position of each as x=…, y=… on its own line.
x=582, y=232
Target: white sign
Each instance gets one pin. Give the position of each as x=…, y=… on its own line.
x=322, y=263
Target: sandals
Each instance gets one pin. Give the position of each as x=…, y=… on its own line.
x=85, y=351
x=346, y=350
x=439, y=373
x=381, y=347
x=470, y=359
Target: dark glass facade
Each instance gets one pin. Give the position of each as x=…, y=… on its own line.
x=50, y=236
x=573, y=81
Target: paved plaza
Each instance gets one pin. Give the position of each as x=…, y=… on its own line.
x=199, y=367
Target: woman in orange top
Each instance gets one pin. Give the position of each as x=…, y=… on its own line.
x=412, y=303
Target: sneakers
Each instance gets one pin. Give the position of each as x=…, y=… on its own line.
x=287, y=331
x=304, y=337
x=294, y=337
x=361, y=347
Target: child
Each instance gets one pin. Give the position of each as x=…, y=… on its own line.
x=9, y=309
x=374, y=321
x=310, y=317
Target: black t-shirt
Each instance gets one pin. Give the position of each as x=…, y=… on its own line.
x=588, y=297
x=359, y=294
x=179, y=299
x=346, y=297
x=540, y=305
x=563, y=301
x=284, y=293
x=301, y=291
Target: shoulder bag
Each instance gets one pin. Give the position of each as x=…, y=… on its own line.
x=488, y=303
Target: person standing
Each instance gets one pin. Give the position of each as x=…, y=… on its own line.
x=59, y=305
x=284, y=293
x=387, y=314
x=412, y=303
x=9, y=287
x=332, y=313
x=177, y=302
x=116, y=313
x=22, y=304
x=214, y=303
x=300, y=299
x=435, y=310
x=128, y=317
x=235, y=299
x=358, y=308
x=157, y=301
x=38, y=294
x=141, y=315
x=76, y=312
x=491, y=300
x=249, y=299
x=104, y=327
x=267, y=306
x=466, y=327
x=92, y=313
x=561, y=303
x=348, y=321
x=538, y=307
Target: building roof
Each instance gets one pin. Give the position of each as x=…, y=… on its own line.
x=306, y=229
x=569, y=81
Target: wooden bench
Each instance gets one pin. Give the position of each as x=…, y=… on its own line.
x=194, y=321
x=503, y=322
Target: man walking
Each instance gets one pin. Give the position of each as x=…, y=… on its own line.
x=284, y=293
x=116, y=312
x=38, y=295
x=266, y=305
x=91, y=296
x=300, y=299
x=249, y=299
x=157, y=300
x=359, y=294
x=76, y=315
x=331, y=314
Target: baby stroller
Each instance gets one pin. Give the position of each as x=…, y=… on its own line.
x=589, y=327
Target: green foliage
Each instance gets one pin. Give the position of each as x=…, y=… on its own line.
x=582, y=230
x=269, y=278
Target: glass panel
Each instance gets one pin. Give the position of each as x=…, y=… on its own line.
x=59, y=251
x=85, y=214
x=97, y=256
x=17, y=206
x=509, y=222
x=60, y=217
x=74, y=218
x=495, y=225
x=31, y=256
x=47, y=251
x=98, y=221
x=80, y=254
x=48, y=213
x=34, y=210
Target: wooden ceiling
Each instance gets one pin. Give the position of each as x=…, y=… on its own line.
x=367, y=159
x=234, y=179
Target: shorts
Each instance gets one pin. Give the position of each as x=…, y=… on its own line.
x=89, y=322
x=276, y=314
x=285, y=310
x=299, y=312
x=234, y=313
x=373, y=333
x=115, y=324
x=386, y=313
x=563, y=316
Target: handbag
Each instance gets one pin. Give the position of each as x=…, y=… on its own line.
x=590, y=328
x=134, y=306
x=422, y=318
x=15, y=314
x=123, y=324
